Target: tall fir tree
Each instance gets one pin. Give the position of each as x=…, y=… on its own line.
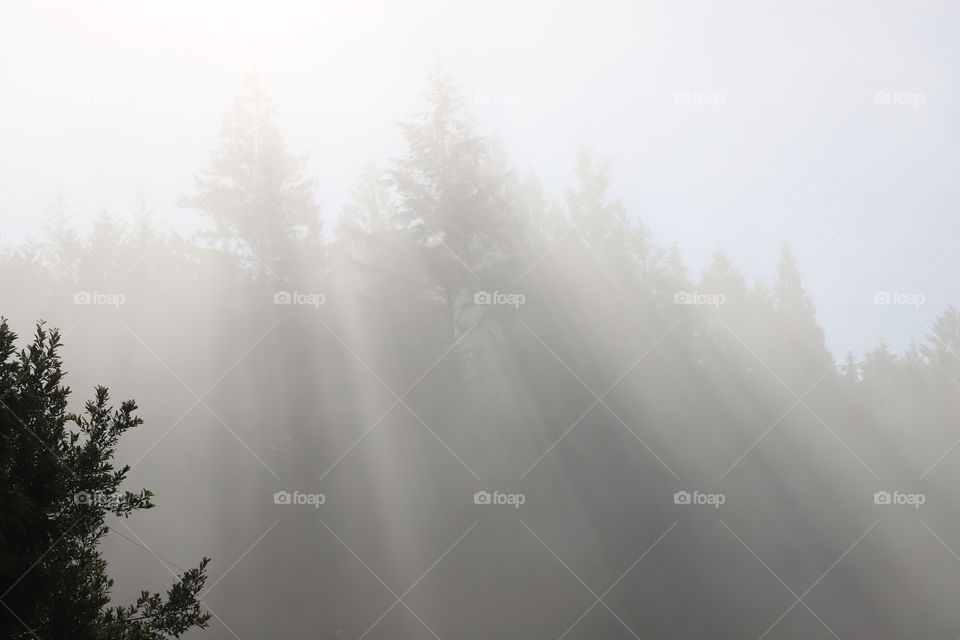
x=456, y=197
x=255, y=190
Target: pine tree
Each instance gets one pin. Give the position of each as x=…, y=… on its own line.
x=795, y=317
x=255, y=190
x=456, y=196
x=105, y=256
x=598, y=218
x=371, y=209
x=61, y=249
x=850, y=370
x=942, y=350
x=723, y=278
x=880, y=367
x=367, y=229
x=788, y=291
x=542, y=218
x=621, y=246
x=943, y=339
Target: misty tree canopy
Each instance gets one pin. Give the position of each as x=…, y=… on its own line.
x=459, y=328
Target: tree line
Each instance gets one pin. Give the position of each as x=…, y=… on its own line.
x=446, y=263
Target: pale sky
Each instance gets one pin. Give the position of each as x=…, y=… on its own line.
x=733, y=126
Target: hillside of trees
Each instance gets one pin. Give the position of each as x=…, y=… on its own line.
x=460, y=330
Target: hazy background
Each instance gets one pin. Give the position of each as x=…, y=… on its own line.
x=101, y=99
x=811, y=142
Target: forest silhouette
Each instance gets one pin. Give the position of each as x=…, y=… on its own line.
x=459, y=333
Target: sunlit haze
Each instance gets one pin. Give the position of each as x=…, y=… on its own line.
x=534, y=320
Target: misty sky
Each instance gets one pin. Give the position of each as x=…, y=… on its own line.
x=733, y=126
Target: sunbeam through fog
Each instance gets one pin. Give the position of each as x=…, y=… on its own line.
x=479, y=321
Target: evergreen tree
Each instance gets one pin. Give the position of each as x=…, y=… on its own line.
x=457, y=198
x=542, y=218
x=880, y=367
x=61, y=248
x=943, y=339
x=795, y=324
x=255, y=190
x=722, y=278
x=850, y=370
x=106, y=254
x=621, y=246
x=57, y=486
x=371, y=209
x=599, y=219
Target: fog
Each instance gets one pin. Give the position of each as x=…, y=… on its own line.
x=536, y=321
